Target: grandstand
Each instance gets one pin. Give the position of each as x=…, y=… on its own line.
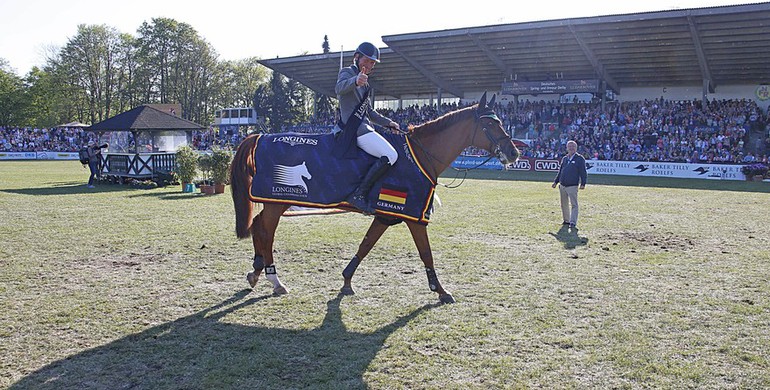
x=682, y=54
x=681, y=85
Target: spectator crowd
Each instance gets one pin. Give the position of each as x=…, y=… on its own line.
x=716, y=131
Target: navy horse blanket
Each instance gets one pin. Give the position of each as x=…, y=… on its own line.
x=300, y=169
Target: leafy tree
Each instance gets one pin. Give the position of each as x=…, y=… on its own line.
x=300, y=102
x=12, y=97
x=90, y=63
x=46, y=104
x=278, y=107
x=176, y=66
x=325, y=107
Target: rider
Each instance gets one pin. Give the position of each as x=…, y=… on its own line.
x=352, y=89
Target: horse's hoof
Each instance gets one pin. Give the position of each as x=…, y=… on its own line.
x=251, y=277
x=280, y=290
x=347, y=291
x=446, y=298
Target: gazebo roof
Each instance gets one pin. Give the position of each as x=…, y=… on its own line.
x=145, y=118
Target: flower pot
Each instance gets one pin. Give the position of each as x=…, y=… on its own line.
x=759, y=177
x=219, y=188
x=207, y=189
x=188, y=187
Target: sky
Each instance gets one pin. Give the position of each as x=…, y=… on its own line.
x=240, y=29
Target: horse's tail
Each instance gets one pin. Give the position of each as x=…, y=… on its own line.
x=241, y=173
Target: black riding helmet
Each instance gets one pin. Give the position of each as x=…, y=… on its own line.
x=369, y=51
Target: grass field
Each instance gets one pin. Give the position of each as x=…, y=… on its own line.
x=665, y=285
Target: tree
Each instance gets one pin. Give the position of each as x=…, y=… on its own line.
x=90, y=64
x=13, y=98
x=46, y=104
x=177, y=66
x=278, y=107
x=325, y=45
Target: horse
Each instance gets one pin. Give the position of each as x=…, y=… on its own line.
x=438, y=143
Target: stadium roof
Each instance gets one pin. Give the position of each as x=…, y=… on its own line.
x=704, y=47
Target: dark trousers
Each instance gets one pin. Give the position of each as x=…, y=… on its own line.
x=94, y=167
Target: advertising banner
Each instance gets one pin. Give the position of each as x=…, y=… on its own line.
x=549, y=87
x=625, y=168
x=665, y=169
x=18, y=155
x=57, y=156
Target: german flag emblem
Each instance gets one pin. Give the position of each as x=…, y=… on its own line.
x=393, y=194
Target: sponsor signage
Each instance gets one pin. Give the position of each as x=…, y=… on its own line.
x=18, y=156
x=547, y=165
x=625, y=168
x=466, y=162
x=38, y=156
x=665, y=169
x=542, y=87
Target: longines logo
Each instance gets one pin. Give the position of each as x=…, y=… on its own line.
x=294, y=140
x=290, y=180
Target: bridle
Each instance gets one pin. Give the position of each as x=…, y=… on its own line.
x=497, y=150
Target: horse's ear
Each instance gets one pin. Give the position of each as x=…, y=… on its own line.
x=491, y=103
x=483, y=101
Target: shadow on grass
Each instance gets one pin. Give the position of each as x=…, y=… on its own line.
x=633, y=181
x=569, y=237
x=67, y=189
x=201, y=351
x=174, y=195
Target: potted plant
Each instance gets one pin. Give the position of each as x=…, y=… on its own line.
x=186, y=167
x=220, y=169
x=205, y=165
x=756, y=171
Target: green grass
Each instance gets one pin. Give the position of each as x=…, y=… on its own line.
x=665, y=285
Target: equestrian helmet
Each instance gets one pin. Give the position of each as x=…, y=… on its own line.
x=369, y=51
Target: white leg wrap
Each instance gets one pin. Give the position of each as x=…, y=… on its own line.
x=271, y=275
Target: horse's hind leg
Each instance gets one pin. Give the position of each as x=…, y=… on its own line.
x=263, y=235
x=376, y=229
x=259, y=261
x=420, y=237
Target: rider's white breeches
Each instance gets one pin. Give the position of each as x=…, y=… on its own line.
x=376, y=145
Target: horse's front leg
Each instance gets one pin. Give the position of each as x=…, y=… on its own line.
x=420, y=237
x=376, y=229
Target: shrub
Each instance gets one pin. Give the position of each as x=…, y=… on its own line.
x=754, y=169
x=205, y=164
x=186, y=164
x=220, y=166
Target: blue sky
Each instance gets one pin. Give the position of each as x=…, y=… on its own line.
x=241, y=29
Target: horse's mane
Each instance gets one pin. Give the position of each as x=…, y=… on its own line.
x=436, y=125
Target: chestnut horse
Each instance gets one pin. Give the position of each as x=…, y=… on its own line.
x=439, y=142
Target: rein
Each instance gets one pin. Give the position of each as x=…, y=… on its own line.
x=496, y=152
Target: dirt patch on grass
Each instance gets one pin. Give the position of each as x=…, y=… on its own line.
x=651, y=240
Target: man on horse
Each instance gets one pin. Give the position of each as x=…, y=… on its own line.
x=356, y=118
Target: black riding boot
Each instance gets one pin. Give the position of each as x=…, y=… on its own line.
x=359, y=197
